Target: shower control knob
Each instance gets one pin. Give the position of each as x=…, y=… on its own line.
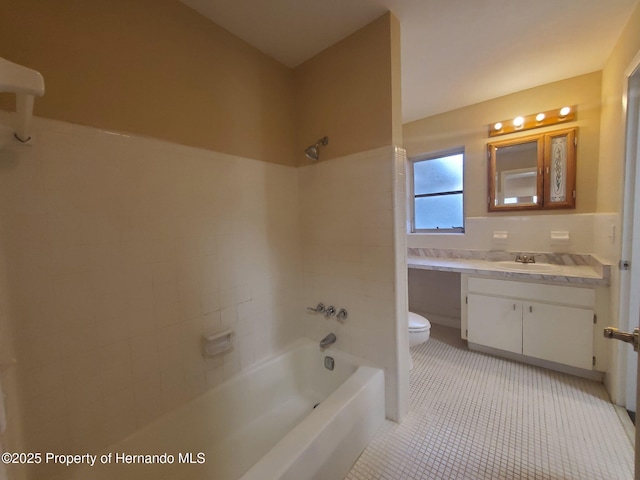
x=318, y=309
x=330, y=311
x=342, y=314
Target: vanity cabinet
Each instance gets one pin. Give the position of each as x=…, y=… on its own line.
x=547, y=322
x=495, y=322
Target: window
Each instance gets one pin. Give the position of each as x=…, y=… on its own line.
x=438, y=200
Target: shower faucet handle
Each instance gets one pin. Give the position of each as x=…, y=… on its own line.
x=318, y=309
x=330, y=311
x=342, y=314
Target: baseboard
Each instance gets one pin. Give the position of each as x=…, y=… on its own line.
x=558, y=367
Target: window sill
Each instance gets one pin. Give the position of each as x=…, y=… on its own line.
x=430, y=234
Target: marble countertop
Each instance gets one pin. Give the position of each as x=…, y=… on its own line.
x=572, y=269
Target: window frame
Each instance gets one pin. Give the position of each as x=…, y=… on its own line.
x=412, y=196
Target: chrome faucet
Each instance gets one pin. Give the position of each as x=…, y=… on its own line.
x=328, y=340
x=329, y=311
x=525, y=258
x=319, y=309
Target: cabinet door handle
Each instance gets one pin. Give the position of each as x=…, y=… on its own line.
x=530, y=308
x=514, y=306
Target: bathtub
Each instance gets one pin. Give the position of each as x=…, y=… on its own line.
x=288, y=417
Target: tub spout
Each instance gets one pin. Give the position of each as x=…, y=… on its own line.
x=328, y=340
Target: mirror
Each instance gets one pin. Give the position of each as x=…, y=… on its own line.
x=533, y=172
x=514, y=176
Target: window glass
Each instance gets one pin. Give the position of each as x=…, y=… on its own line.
x=443, y=212
x=438, y=193
x=438, y=175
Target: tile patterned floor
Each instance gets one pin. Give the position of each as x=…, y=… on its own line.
x=474, y=416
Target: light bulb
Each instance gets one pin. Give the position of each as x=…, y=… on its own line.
x=518, y=122
x=497, y=126
x=564, y=111
x=540, y=117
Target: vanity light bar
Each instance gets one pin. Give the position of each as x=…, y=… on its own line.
x=535, y=120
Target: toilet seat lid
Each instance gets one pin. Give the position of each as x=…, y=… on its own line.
x=417, y=323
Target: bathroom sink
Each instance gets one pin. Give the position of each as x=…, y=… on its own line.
x=512, y=266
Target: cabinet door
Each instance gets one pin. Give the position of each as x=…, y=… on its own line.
x=558, y=334
x=495, y=322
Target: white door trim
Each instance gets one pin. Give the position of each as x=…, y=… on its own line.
x=631, y=208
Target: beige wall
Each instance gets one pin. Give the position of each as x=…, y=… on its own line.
x=468, y=127
x=159, y=69
x=611, y=168
x=155, y=68
x=396, y=82
x=346, y=92
x=435, y=295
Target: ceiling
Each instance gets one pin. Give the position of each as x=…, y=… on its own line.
x=454, y=52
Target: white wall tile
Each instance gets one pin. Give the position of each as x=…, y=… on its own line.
x=124, y=252
x=347, y=240
x=525, y=233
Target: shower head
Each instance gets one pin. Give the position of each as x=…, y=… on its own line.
x=313, y=151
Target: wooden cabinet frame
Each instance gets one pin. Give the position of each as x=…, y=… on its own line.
x=555, y=182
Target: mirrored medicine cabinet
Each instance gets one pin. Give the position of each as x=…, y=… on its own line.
x=533, y=172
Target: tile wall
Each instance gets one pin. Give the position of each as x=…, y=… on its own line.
x=121, y=253
x=401, y=284
x=588, y=233
x=10, y=432
x=349, y=250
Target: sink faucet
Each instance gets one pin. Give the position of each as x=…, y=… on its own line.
x=526, y=258
x=328, y=340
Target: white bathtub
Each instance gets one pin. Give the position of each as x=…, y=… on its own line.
x=262, y=425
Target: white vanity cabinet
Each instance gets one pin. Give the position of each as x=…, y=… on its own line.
x=541, y=321
x=495, y=322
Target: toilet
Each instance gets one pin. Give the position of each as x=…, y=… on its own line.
x=419, y=329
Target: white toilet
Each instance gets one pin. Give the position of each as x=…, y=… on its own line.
x=419, y=329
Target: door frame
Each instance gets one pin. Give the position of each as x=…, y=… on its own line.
x=629, y=305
